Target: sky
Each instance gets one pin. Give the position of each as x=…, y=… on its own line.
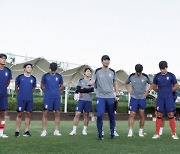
x=81, y=31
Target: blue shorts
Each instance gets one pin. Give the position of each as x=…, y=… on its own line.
x=136, y=104
x=3, y=103
x=84, y=106
x=52, y=104
x=165, y=104
x=25, y=106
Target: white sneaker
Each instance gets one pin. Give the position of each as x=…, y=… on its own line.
x=72, y=133
x=84, y=132
x=115, y=133
x=44, y=133
x=130, y=134
x=4, y=136
x=175, y=137
x=57, y=133
x=103, y=133
x=141, y=134
x=156, y=136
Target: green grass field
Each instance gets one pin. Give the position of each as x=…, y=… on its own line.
x=88, y=144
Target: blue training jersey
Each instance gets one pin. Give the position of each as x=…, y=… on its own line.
x=25, y=84
x=52, y=83
x=165, y=84
x=5, y=77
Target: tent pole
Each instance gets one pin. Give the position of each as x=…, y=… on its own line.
x=65, y=103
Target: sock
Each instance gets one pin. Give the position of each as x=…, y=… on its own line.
x=140, y=130
x=172, y=124
x=130, y=130
x=74, y=128
x=85, y=128
x=2, y=127
x=158, y=124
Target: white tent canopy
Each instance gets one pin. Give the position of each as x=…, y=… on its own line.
x=40, y=66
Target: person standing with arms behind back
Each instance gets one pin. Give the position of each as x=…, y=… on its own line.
x=5, y=77
x=138, y=91
x=24, y=86
x=165, y=84
x=52, y=85
x=106, y=93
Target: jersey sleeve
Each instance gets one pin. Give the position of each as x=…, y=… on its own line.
x=10, y=75
x=94, y=76
x=17, y=81
x=174, y=80
x=60, y=80
x=128, y=80
x=149, y=81
x=155, y=80
x=79, y=83
x=34, y=83
x=115, y=77
x=43, y=80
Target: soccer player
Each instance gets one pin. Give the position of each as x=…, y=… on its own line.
x=165, y=84
x=5, y=77
x=84, y=103
x=24, y=86
x=106, y=87
x=52, y=85
x=138, y=93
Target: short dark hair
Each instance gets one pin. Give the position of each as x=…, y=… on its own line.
x=3, y=55
x=87, y=68
x=105, y=57
x=163, y=65
x=53, y=66
x=25, y=65
x=139, y=68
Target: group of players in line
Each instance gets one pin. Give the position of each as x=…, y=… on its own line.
x=104, y=83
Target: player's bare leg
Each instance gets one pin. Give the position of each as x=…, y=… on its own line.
x=131, y=123
x=27, y=121
x=86, y=122
x=27, y=124
x=141, y=122
x=75, y=123
x=44, y=122
x=18, y=121
x=57, y=123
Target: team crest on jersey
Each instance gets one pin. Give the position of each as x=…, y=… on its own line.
x=6, y=73
x=31, y=81
x=56, y=79
x=142, y=80
x=97, y=102
x=110, y=74
x=167, y=77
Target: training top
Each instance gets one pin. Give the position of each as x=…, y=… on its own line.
x=83, y=83
x=52, y=83
x=5, y=77
x=138, y=84
x=165, y=84
x=104, y=82
x=25, y=84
